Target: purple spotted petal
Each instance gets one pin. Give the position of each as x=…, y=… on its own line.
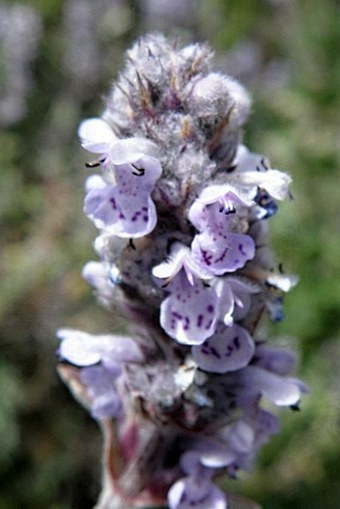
x=217, y=248
x=190, y=312
x=105, y=401
x=126, y=208
x=215, y=207
x=229, y=349
x=190, y=492
x=222, y=253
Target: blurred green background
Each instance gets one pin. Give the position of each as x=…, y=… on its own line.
x=57, y=59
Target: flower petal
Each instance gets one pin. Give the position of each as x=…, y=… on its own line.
x=275, y=182
x=217, y=247
x=277, y=360
x=280, y=390
x=174, y=263
x=105, y=401
x=126, y=209
x=190, y=492
x=78, y=347
x=179, y=258
x=131, y=150
x=216, y=193
x=224, y=252
x=83, y=349
x=190, y=312
x=284, y=282
x=229, y=349
x=96, y=135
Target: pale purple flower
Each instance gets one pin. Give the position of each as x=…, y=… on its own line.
x=190, y=312
x=228, y=349
x=217, y=247
x=125, y=207
x=234, y=445
x=192, y=492
x=282, y=391
x=196, y=490
x=253, y=171
x=83, y=349
x=104, y=278
x=102, y=358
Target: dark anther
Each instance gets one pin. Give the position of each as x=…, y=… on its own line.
x=230, y=211
x=295, y=408
x=131, y=244
x=140, y=172
x=264, y=164
x=94, y=164
x=227, y=210
x=281, y=268
x=231, y=168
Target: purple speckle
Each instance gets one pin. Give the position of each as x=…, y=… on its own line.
x=186, y=325
x=199, y=320
x=241, y=249
x=214, y=352
x=229, y=351
x=206, y=257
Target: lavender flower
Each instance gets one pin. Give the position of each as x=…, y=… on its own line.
x=195, y=490
x=218, y=247
x=190, y=312
x=122, y=203
x=182, y=210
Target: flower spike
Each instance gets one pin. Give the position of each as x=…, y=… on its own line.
x=183, y=211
